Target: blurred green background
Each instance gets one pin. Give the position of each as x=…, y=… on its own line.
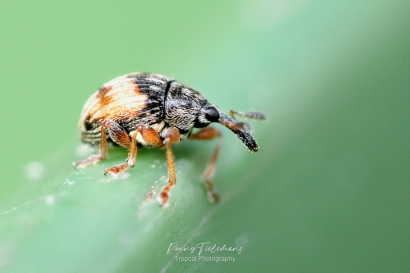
x=327, y=192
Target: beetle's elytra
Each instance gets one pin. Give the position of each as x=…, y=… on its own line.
x=141, y=109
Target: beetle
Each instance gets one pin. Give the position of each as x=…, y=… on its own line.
x=146, y=109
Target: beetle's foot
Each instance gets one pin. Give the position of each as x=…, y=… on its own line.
x=90, y=160
x=163, y=198
x=213, y=197
x=116, y=170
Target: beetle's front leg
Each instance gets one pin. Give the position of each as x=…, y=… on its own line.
x=209, y=133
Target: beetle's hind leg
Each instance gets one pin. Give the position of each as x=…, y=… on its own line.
x=210, y=133
x=120, y=136
x=95, y=158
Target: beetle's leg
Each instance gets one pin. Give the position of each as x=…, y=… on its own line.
x=121, y=137
x=171, y=136
x=209, y=133
x=132, y=154
x=117, y=133
x=151, y=137
x=95, y=158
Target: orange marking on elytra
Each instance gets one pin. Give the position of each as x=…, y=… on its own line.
x=102, y=95
x=137, y=89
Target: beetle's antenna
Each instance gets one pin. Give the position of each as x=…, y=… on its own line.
x=251, y=114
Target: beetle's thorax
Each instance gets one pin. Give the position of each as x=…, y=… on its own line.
x=182, y=107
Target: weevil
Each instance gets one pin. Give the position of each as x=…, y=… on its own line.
x=143, y=109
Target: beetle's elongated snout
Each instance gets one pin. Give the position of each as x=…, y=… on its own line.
x=241, y=130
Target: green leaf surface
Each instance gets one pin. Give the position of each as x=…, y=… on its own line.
x=81, y=221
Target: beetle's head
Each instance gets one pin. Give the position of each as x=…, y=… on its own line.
x=211, y=113
x=186, y=108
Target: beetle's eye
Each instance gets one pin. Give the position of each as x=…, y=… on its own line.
x=211, y=114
